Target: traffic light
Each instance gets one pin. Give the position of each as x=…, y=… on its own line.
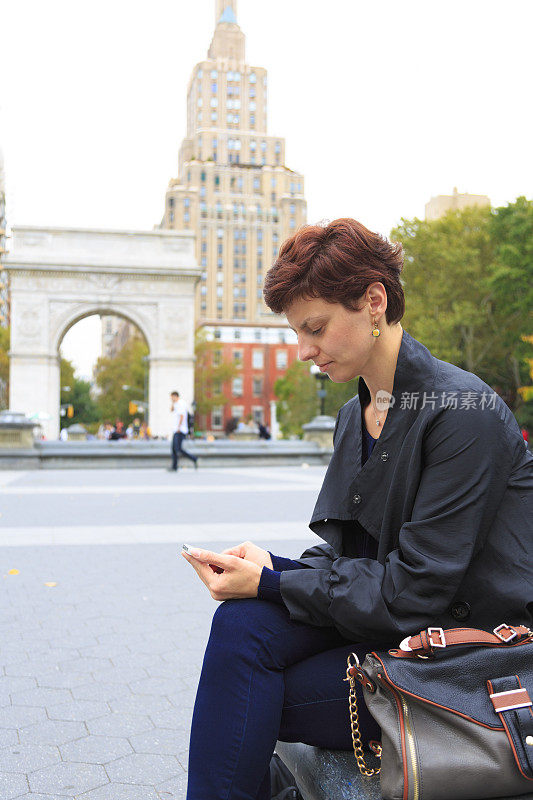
x=70, y=411
x=132, y=408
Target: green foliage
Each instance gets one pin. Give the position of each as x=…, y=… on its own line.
x=468, y=290
x=298, y=400
x=127, y=368
x=77, y=393
x=208, y=377
x=4, y=367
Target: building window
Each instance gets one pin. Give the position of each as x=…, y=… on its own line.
x=253, y=77
x=236, y=387
x=257, y=185
x=258, y=335
x=220, y=247
x=237, y=411
x=257, y=386
x=282, y=338
x=214, y=73
x=219, y=263
x=220, y=231
x=258, y=359
x=202, y=176
x=281, y=359
x=204, y=261
x=216, y=417
x=204, y=247
x=217, y=357
x=171, y=216
x=258, y=414
x=252, y=120
x=218, y=333
x=292, y=223
x=237, y=358
x=292, y=209
x=237, y=333
x=186, y=216
x=171, y=202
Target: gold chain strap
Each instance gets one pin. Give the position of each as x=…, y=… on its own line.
x=368, y=772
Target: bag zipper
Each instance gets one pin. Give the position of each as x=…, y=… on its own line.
x=408, y=740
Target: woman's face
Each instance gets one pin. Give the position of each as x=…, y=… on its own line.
x=339, y=341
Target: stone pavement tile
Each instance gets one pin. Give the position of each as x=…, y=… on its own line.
x=8, y=736
x=155, y=686
x=133, y=658
x=140, y=704
x=12, y=785
x=173, y=789
x=65, y=777
x=120, y=725
x=96, y=749
x=101, y=691
x=104, y=650
x=9, y=684
x=79, y=710
x=121, y=791
x=160, y=740
x=120, y=674
x=52, y=732
x=182, y=699
x=61, y=680
x=176, y=718
x=27, y=757
x=85, y=665
x=144, y=768
x=40, y=696
x=20, y=716
x=75, y=638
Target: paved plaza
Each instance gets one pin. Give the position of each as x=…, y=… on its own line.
x=103, y=627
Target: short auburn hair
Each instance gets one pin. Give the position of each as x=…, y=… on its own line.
x=336, y=262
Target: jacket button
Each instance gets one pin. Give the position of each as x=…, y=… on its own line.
x=460, y=611
x=356, y=498
x=384, y=456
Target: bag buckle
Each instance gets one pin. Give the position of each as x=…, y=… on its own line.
x=440, y=633
x=499, y=633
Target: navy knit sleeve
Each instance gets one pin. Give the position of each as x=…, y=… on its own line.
x=280, y=563
x=269, y=586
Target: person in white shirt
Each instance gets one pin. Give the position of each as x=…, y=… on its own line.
x=180, y=429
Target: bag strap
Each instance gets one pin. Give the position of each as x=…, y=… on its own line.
x=426, y=641
x=514, y=707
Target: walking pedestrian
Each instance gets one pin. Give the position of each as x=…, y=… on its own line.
x=180, y=429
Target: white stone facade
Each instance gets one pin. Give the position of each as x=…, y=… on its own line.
x=61, y=275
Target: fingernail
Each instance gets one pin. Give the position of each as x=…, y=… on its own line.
x=195, y=552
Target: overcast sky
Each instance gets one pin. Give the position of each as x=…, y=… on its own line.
x=382, y=104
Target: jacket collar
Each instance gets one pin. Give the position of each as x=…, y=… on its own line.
x=415, y=367
x=415, y=371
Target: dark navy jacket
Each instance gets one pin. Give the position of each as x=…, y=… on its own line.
x=447, y=493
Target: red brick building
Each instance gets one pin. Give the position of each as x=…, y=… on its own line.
x=262, y=355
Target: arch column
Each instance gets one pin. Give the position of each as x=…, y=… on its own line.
x=168, y=374
x=34, y=388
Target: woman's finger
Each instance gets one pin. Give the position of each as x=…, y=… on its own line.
x=218, y=559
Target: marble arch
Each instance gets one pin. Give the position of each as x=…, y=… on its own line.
x=58, y=276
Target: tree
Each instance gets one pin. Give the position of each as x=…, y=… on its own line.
x=458, y=303
x=126, y=369
x=298, y=400
x=77, y=393
x=4, y=367
x=209, y=375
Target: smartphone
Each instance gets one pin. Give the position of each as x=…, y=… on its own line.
x=216, y=569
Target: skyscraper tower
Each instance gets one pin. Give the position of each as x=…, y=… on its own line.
x=233, y=187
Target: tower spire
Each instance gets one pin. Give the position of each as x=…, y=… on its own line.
x=225, y=11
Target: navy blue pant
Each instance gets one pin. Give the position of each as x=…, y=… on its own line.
x=266, y=677
x=177, y=449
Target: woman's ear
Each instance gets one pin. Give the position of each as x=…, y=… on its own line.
x=376, y=295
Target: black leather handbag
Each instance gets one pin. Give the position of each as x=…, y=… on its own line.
x=455, y=711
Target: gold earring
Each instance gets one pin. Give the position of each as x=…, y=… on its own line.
x=376, y=332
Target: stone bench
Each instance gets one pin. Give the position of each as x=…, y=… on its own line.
x=333, y=775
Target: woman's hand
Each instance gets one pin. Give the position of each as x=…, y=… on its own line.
x=251, y=552
x=239, y=578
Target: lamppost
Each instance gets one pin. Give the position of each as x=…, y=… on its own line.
x=321, y=391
